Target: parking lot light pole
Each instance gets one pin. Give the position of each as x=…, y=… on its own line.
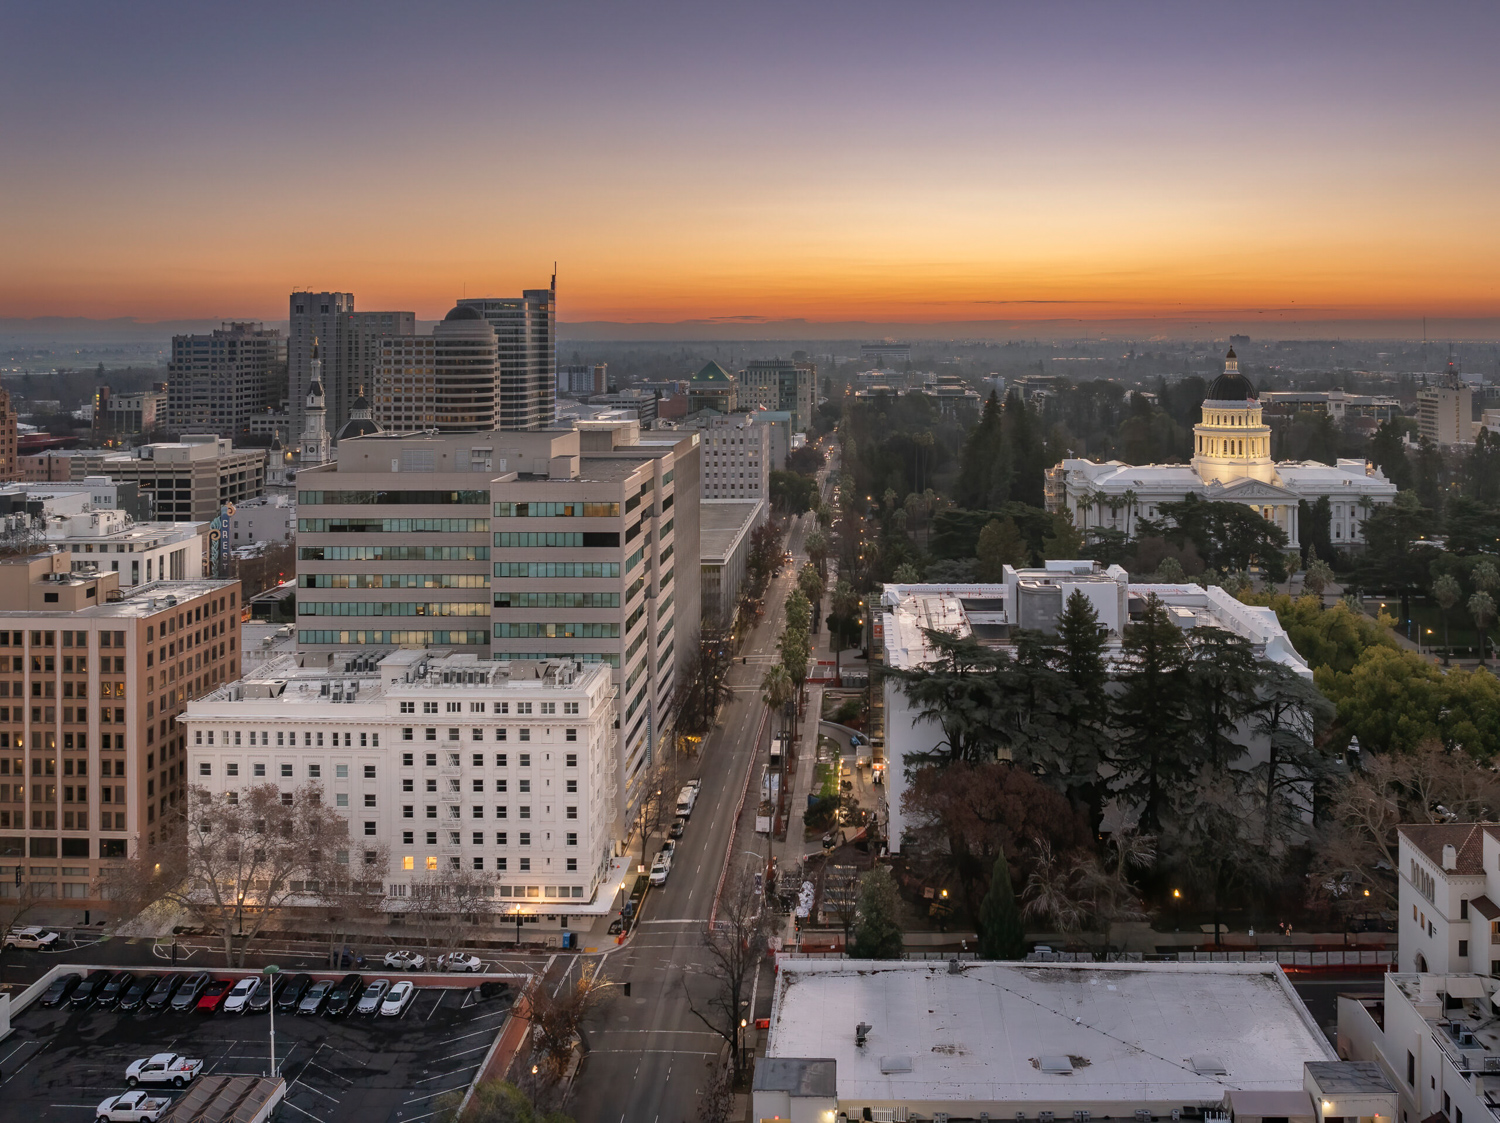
x=271, y=970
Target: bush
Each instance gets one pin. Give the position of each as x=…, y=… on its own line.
x=848, y=712
x=821, y=812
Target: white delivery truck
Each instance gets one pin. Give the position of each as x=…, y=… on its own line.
x=685, y=800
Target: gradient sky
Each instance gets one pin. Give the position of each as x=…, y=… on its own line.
x=904, y=161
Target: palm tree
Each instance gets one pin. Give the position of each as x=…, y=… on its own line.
x=1366, y=505
x=1053, y=890
x=1131, y=501
x=844, y=605
x=777, y=689
x=1482, y=608
x=1447, y=592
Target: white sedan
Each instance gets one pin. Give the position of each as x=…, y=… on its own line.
x=133, y=1107
x=405, y=960
x=459, y=961
x=398, y=998
x=163, y=1068
x=238, y=1000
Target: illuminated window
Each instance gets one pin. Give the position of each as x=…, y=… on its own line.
x=432, y=864
x=408, y=863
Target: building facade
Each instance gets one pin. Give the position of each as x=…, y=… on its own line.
x=1445, y=414
x=217, y=382
x=452, y=763
x=514, y=546
x=448, y=381
x=713, y=388
x=96, y=678
x=140, y=411
x=526, y=341
x=724, y=555
x=140, y=552
x=735, y=457
x=190, y=480
x=780, y=384
x=10, y=463
x=581, y=381
x=348, y=345
x=1231, y=463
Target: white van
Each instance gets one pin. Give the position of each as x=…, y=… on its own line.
x=685, y=800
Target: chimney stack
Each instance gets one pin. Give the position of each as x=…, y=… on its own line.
x=1450, y=858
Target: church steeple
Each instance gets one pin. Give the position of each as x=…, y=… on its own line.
x=314, y=448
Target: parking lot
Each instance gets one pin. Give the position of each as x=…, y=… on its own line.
x=59, y=1063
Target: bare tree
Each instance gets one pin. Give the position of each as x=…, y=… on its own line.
x=735, y=947
x=350, y=887
x=448, y=905
x=557, y=1016
x=243, y=857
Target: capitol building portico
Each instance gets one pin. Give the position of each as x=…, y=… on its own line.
x=1231, y=463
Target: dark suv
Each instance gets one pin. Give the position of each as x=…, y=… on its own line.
x=291, y=993
x=343, y=997
x=132, y=998
x=90, y=988
x=268, y=992
x=115, y=989
x=161, y=994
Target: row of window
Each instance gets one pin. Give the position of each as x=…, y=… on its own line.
x=393, y=581
x=554, y=510
x=392, y=608
x=409, y=638
x=393, y=553
x=392, y=526
x=500, y=734
x=388, y=498
x=556, y=569
x=532, y=630
x=547, y=708
x=508, y=599
x=576, y=656
x=573, y=539
x=69, y=639
x=431, y=865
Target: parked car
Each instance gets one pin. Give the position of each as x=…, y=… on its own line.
x=211, y=1001
x=405, y=960
x=89, y=989
x=190, y=991
x=136, y=995
x=133, y=1107
x=269, y=990
x=115, y=989
x=292, y=993
x=31, y=939
x=237, y=1001
x=162, y=1068
x=315, y=998
x=669, y=848
x=343, y=997
x=460, y=961
x=660, y=869
x=162, y=993
x=677, y=828
x=374, y=995
x=398, y=998
x=60, y=989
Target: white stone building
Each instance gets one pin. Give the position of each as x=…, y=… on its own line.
x=138, y=552
x=449, y=761
x=735, y=455
x=1033, y=599
x=271, y=518
x=1449, y=883
x=1231, y=463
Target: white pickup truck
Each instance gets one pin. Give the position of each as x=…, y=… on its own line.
x=133, y=1107
x=163, y=1068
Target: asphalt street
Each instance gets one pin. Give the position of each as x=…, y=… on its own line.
x=649, y=1055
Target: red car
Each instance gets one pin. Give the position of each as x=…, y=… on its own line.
x=213, y=996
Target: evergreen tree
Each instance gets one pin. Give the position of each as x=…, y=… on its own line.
x=977, y=460
x=1064, y=543
x=1223, y=676
x=1153, y=751
x=1026, y=452
x=877, y=935
x=1388, y=453
x=1000, y=545
x=1079, y=658
x=1002, y=935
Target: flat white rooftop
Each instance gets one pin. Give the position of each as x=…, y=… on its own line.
x=1139, y=1035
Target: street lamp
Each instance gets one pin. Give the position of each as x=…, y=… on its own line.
x=533, y=1089
x=518, y=926
x=271, y=970
x=743, y=1025
x=1177, y=910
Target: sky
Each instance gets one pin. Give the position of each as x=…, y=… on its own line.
x=753, y=161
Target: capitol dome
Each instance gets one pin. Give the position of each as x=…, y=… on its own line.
x=1231, y=386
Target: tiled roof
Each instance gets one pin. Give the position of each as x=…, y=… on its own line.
x=1466, y=838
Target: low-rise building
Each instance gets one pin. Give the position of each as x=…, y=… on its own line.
x=139, y=552
x=190, y=479
x=1448, y=883
x=896, y=1040
x=1033, y=599
x=271, y=518
x=94, y=677
x=1434, y=1039
x=451, y=762
x=1336, y=403
x=725, y=532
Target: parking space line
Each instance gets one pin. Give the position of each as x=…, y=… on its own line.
x=440, y=1092
x=435, y=1005
x=335, y=1075
x=294, y=1107
x=311, y=1089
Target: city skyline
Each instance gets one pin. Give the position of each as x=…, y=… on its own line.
x=838, y=163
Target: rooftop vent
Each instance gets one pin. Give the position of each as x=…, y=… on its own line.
x=889, y=1065
x=1059, y=1065
x=1204, y=1065
x=953, y=967
x=1450, y=857
x=862, y=1031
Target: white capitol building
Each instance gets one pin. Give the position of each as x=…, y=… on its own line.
x=1232, y=463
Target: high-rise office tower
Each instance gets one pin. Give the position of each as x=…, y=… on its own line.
x=526, y=335
x=216, y=382
x=445, y=381
x=348, y=343
x=779, y=384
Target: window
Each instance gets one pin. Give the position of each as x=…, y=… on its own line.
x=408, y=862
x=1463, y=911
x=406, y=732
x=549, y=707
x=406, y=759
x=341, y=771
x=500, y=838
x=524, y=811
x=430, y=734
x=572, y=786
x=476, y=734
x=286, y=769
x=258, y=769
x=369, y=827
x=478, y=760
x=369, y=772
x=407, y=811
x=369, y=799
x=229, y=769
x=570, y=707
x=408, y=707
x=1463, y=948
x=525, y=865
x=406, y=838
x=500, y=760
x=431, y=760
x=571, y=812
x=572, y=838
x=570, y=735
x=479, y=863
x=205, y=769
x=571, y=760
x=523, y=785
x=314, y=771
x=525, y=760
x=524, y=838
x=341, y=799
x=408, y=784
